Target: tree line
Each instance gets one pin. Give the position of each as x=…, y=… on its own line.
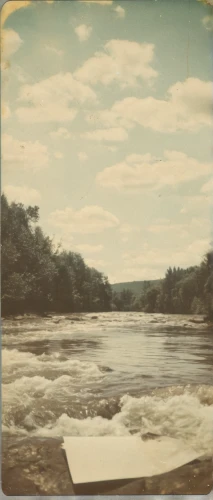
x=36, y=277
x=182, y=291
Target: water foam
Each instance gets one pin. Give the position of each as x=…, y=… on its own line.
x=49, y=394
x=183, y=417
x=16, y=363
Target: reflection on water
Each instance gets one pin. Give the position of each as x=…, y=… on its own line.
x=118, y=374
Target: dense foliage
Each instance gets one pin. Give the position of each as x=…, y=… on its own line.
x=182, y=291
x=135, y=286
x=36, y=277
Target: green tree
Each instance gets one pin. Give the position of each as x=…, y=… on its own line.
x=35, y=277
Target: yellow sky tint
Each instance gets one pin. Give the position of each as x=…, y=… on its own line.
x=10, y=7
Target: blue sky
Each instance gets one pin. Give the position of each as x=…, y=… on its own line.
x=107, y=115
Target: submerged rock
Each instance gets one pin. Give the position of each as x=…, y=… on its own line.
x=73, y=318
x=194, y=478
x=149, y=435
x=197, y=320
x=38, y=466
x=106, y=369
x=34, y=466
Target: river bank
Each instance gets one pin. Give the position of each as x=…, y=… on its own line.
x=35, y=466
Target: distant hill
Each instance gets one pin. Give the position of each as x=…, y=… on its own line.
x=135, y=286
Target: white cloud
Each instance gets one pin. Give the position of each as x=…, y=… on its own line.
x=96, y=263
x=90, y=219
x=198, y=247
x=195, y=204
x=120, y=11
x=65, y=241
x=11, y=42
x=162, y=228
x=196, y=225
x=19, y=73
x=208, y=187
x=61, y=132
x=149, y=257
x=21, y=194
x=128, y=228
x=142, y=171
x=5, y=110
x=208, y=22
x=100, y=2
x=23, y=154
x=83, y=32
x=58, y=155
x=122, y=61
x=50, y=99
x=187, y=106
x=109, y=134
x=155, y=258
x=207, y=2
x=145, y=273
x=82, y=156
x=54, y=50
x=46, y=113
x=112, y=278
x=86, y=248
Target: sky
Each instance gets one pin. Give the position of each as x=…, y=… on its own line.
x=106, y=126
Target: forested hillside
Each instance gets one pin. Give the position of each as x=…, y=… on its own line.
x=182, y=291
x=135, y=286
x=36, y=277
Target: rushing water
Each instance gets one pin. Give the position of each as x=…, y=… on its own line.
x=113, y=374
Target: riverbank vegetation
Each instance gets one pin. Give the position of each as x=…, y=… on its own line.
x=37, y=277
x=182, y=291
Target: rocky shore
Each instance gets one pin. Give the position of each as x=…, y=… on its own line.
x=36, y=466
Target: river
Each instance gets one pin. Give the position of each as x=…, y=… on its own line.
x=108, y=374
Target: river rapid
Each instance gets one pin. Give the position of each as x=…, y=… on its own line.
x=111, y=374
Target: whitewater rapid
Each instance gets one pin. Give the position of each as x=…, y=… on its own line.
x=118, y=374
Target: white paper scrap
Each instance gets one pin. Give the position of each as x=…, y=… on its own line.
x=93, y=459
